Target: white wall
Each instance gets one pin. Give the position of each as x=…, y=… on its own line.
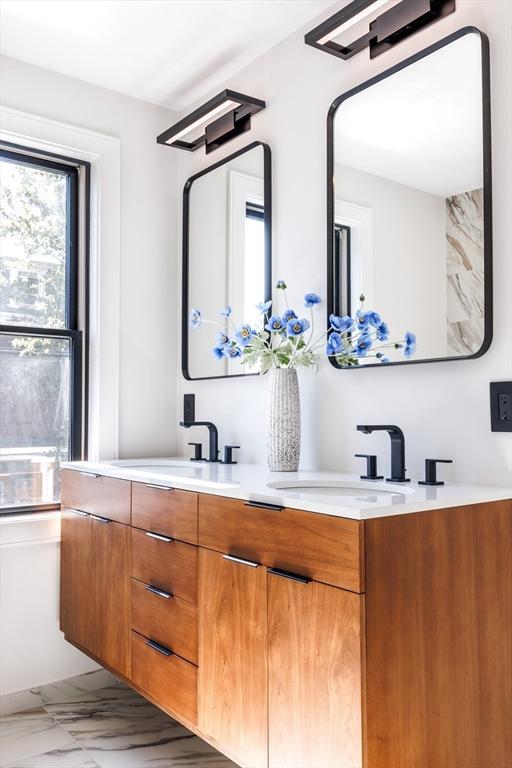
x=33, y=649
x=443, y=407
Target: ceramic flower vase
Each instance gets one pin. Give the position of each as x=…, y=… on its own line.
x=283, y=420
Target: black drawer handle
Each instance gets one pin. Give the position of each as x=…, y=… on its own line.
x=158, y=536
x=101, y=519
x=288, y=575
x=156, y=591
x=79, y=512
x=88, y=474
x=263, y=505
x=241, y=561
x=159, y=487
x=160, y=648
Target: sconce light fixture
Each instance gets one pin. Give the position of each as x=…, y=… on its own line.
x=214, y=123
x=396, y=23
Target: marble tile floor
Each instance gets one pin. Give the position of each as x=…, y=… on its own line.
x=95, y=721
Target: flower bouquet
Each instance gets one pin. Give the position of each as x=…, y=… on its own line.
x=283, y=342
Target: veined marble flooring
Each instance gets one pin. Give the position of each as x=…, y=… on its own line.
x=95, y=721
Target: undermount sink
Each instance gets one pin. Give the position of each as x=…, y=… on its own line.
x=336, y=488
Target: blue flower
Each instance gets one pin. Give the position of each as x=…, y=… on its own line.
x=384, y=359
x=341, y=324
x=274, y=324
x=195, y=318
x=288, y=315
x=334, y=344
x=296, y=327
x=363, y=319
x=221, y=339
x=382, y=331
x=219, y=352
x=244, y=334
x=374, y=319
x=226, y=311
x=264, y=306
x=410, y=344
x=364, y=343
x=310, y=299
x=281, y=285
x=232, y=351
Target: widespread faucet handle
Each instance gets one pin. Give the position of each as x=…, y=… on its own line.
x=228, y=454
x=198, y=452
x=431, y=471
x=371, y=466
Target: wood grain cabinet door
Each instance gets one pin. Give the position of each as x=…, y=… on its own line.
x=232, y=676
x=76, y=605
x=314, y=675
x=109, y=591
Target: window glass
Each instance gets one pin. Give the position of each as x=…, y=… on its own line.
x=33, y=238
x=34, y=418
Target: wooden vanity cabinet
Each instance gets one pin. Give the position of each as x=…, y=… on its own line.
x=290, y=639
x=315, y=666
x=94, y=587
x=232, y=685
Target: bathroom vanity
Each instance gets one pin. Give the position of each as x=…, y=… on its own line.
x=298, y=621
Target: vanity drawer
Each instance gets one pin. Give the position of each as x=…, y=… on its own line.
x=169, y=680
x=165, y=563
x=165, y=510
x=322, y=547
x=97, y=494
x=169, y=621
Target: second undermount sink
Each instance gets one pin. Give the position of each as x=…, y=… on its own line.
x=337, y=488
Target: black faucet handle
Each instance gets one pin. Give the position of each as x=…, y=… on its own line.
x=431, y=471
x=371, y=466
x=228, y=454
x=198, y=452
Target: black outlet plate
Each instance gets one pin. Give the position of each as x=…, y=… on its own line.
x=501, y=406
x=189, y=408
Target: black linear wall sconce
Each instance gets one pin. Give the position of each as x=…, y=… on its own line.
x=386, y=30
x=214, y=123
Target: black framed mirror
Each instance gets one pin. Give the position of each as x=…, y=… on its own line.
x=227, y=254
x=409, y=202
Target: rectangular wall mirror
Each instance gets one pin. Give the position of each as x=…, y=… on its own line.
x=226, y=254
x=409, y=201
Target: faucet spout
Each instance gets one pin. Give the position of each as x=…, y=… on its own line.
x=397, y=449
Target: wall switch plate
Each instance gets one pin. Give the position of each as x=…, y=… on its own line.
x=501, y=406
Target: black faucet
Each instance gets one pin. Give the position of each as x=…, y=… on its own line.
x=397, y=449
x=189, y=421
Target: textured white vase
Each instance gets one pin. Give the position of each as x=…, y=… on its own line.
x=283, y=420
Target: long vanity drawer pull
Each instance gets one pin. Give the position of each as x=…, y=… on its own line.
x=79, y=512
x=160, y=648
x=158, y=487
x=158, y=536
x=263, y=505
x=89, y=474
x=241, y=561
x=101, y=519
x=288, y=575
x=159, y=592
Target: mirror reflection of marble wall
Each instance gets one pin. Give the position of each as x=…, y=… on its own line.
x=226, y=255
x=408, y=170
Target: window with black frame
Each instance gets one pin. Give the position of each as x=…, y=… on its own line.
x=42, y=309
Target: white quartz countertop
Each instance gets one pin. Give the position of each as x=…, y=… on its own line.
x=327, y=493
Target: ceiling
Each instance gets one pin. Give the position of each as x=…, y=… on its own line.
x=422, y=126
x=168, y=52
